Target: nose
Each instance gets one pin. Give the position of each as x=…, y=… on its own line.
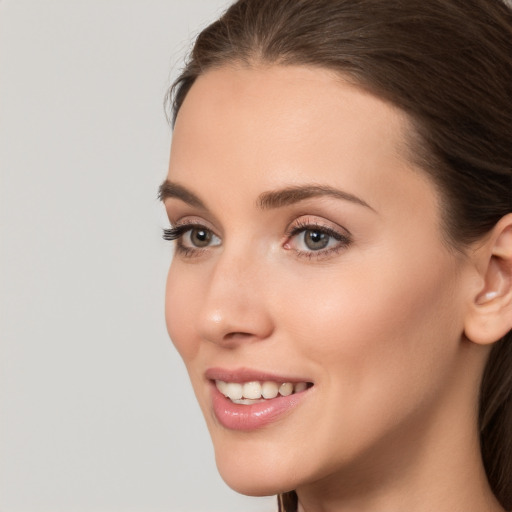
x=235, y=309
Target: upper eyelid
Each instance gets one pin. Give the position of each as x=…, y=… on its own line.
x=337, y=235
x=177, y=210
x=313, y=221
x=193, y=221
x=315, y=225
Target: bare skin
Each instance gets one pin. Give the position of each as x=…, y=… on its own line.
x=348, y=285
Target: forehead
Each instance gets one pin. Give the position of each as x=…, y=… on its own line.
x=273, y=126
x=278, y=103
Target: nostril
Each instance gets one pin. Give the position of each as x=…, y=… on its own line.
x=237, y=335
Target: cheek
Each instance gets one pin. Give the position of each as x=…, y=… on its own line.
x=181, y=308
x=377, y=333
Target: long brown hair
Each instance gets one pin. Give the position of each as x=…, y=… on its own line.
x=448, y=65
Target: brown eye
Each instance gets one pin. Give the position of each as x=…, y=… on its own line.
x=315, y=239
x=200, y=237
x=310, y=240
x=192, y=239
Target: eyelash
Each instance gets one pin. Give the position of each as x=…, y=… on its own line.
x=177, y=233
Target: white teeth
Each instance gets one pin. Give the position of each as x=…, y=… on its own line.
x=286, y=389
x=222, y=387
x=269, y=389
x=300, y=386
x=234, y=390
x=254, y=391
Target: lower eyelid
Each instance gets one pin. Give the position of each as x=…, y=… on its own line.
x=188, y=252
x=322, y=254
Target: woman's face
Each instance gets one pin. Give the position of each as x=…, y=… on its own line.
x=310, y=259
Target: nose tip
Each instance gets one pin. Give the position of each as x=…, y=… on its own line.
x=234, y=310
x=235, y=323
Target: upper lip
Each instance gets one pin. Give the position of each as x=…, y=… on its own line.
x=249, y=375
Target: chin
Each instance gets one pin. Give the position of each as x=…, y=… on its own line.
x=255, y=470
x=254, y=483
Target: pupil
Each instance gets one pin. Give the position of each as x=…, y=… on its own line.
x=316, y=240
x=200, y=237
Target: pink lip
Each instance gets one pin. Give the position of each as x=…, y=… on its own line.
x=250, y=417
x=248, y=375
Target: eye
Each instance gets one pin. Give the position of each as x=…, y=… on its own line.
x=315, y=240
x=199, y=237
x=191, y=238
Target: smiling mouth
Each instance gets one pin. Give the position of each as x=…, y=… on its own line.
x=253, y=392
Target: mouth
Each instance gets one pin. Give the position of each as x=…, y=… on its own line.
x=253, y=392
x=248, y=400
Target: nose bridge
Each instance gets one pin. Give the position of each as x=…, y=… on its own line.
x=234, y=305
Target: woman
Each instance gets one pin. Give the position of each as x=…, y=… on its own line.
x=340, y=193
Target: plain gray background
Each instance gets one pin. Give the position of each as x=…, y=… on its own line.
x=96, y=412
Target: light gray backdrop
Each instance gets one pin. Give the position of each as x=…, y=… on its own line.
x=96, y=412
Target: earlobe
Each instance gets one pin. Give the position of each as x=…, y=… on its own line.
x=490, y=314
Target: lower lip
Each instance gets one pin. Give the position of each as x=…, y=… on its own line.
x=251, y=417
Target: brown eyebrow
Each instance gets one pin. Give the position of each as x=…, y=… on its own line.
x=168, y=190
x=292, y=195
x=266, y=200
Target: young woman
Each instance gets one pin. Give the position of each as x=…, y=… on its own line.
x=340, y=194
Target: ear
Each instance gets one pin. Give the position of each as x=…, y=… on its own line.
x=490, y=314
